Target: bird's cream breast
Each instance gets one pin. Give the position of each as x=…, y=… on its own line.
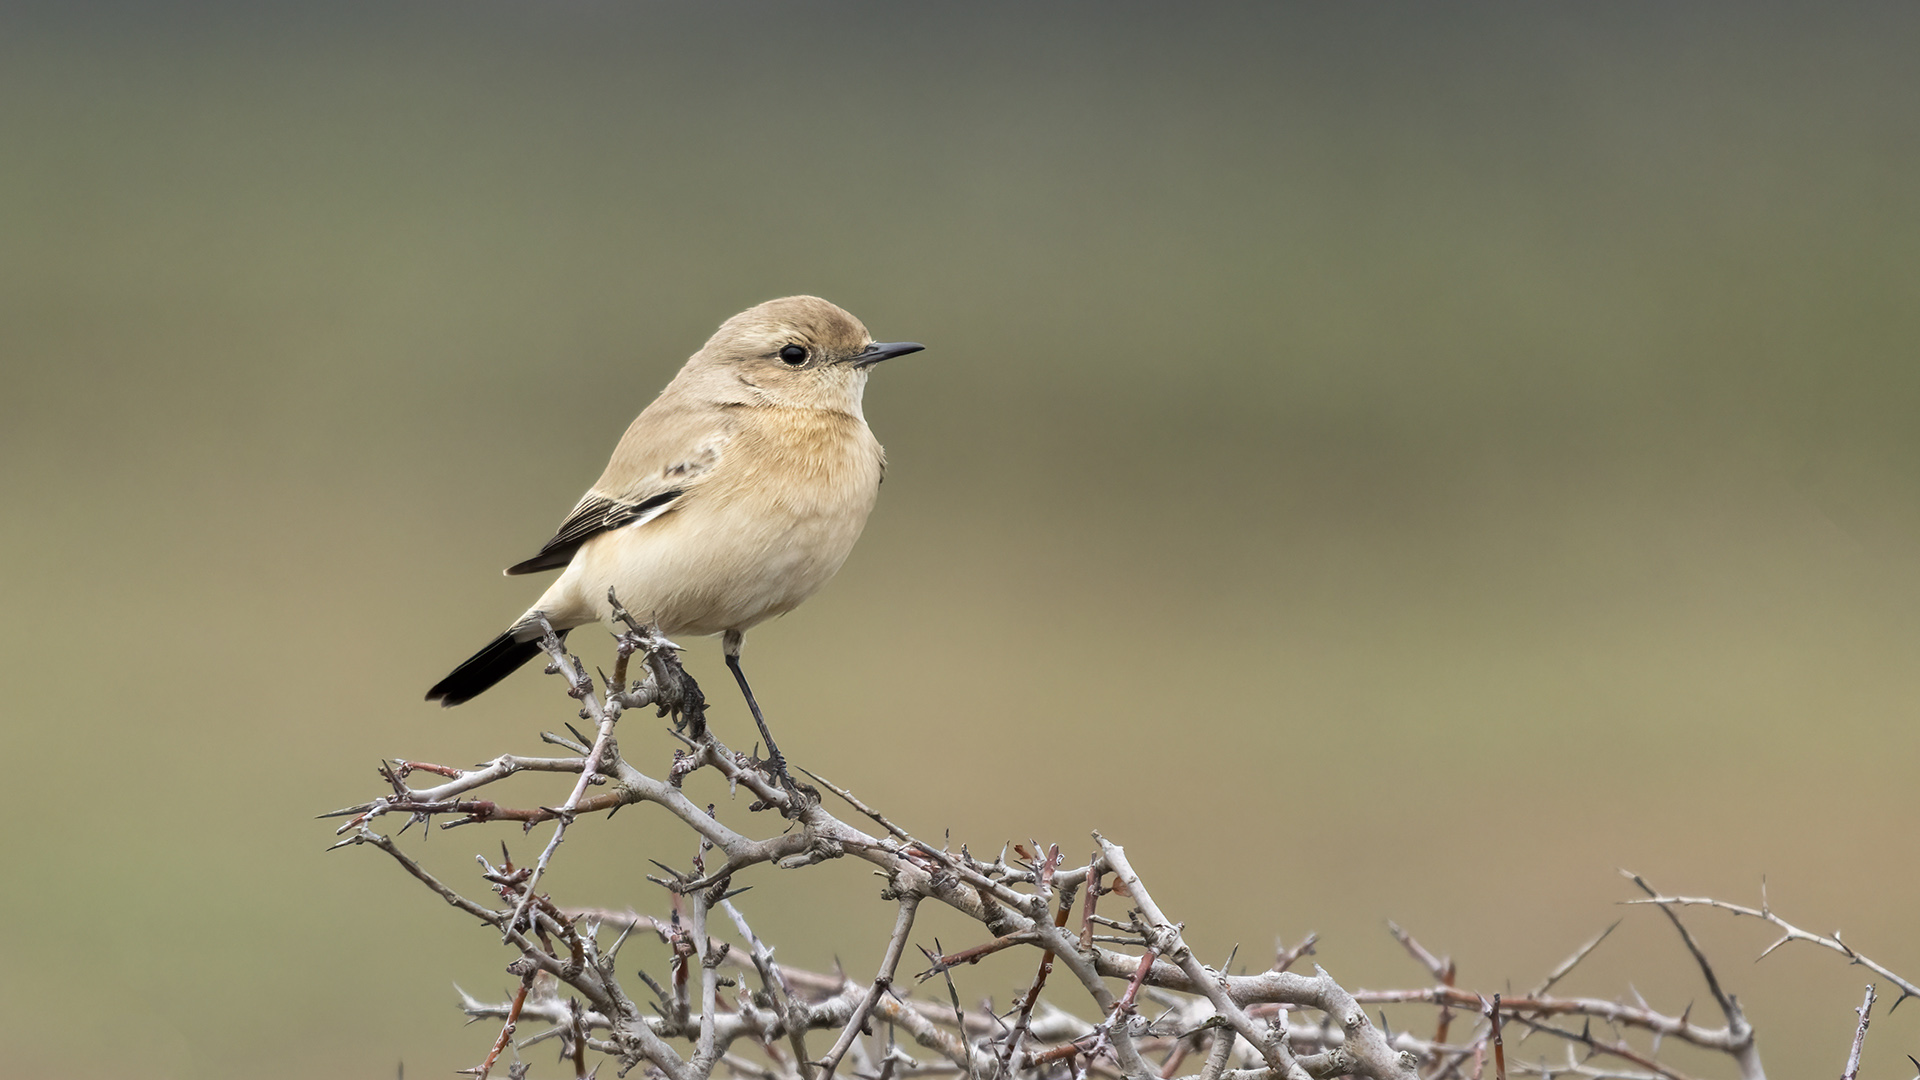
x=771, y=523
x=810, y=456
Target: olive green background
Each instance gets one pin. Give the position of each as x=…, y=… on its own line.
x=1372, y=461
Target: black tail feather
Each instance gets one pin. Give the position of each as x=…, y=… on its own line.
x=498, y=659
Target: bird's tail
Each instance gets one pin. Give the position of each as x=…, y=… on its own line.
x=476, y=674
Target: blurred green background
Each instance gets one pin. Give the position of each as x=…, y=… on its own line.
x=1373, y=461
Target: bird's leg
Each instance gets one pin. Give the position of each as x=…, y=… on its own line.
x=730, y=645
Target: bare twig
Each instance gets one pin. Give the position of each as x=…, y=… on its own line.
x=1441, y=970
x=604, y=717
x=1745, y=1054
x=506, y=1029
x=1020, y=1026
x=882, y=982
x=1790, y=932
x=940, y=965
x=1220, y=1054
x=1865, y=1012
x=1284, y=958
x=1571, y=962
x=1499, y=1041
x=793, y=1010
x=1615, y=1047
x=1092, y=901
x=1168, y=940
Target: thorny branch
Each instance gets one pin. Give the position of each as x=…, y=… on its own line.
x=1859, y=1036
x=737, y=1009
x=1788, y=932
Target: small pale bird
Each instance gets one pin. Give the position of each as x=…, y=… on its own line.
x=730, y=499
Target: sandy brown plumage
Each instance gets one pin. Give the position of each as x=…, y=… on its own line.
x=733, y=497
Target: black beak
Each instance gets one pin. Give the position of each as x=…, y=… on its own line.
x=883, y=350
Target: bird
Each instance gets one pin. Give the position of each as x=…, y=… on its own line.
x=733, y=496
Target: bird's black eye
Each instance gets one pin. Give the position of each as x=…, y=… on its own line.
x=793, y=354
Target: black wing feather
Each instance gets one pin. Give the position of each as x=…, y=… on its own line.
x=594, y=515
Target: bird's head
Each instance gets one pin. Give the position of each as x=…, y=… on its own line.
x=798, y=351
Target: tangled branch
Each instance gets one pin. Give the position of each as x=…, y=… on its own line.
x=730, y=1005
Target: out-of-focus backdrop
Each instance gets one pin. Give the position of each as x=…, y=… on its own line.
x=1374, y=462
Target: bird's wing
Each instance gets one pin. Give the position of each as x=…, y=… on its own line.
x=660, y=462
x=594, y=515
